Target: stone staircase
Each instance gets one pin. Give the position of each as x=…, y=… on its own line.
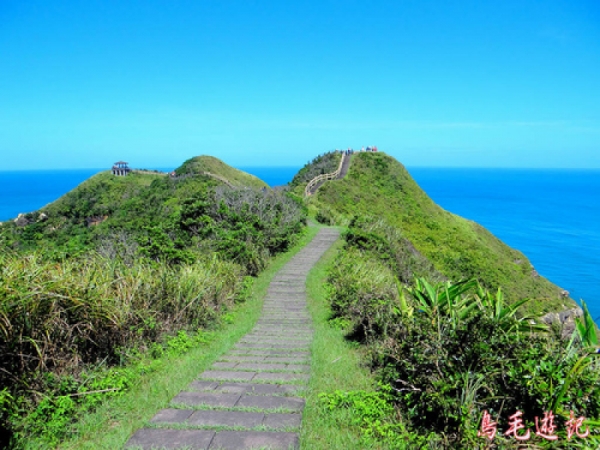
x=314, y=184
x=253, y=396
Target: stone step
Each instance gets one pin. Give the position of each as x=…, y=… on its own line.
x=271, y=366
x=255, y=377
x=152, y=439
x=266, y=352
x=274, y=340
x=246, y=388
x=239, y=419
x=289, y=331
x=269, y=322
x=237, y=440
x=263, y=358
x=270, y=345
x=305, y=336
x=281, y=343
x=251, y=398
x=220, y=400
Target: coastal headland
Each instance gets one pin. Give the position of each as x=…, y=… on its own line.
x=113, y=283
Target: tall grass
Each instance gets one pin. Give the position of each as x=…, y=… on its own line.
x=55, y=316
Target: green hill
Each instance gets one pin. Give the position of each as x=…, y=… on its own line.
x=218, y=169
x=378, y=186
x=106, y=209
x=120, y=267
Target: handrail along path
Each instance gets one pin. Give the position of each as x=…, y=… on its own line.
x=313, y=184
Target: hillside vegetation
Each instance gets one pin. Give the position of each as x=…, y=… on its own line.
x=446, y=355
x=146, y=212
x=214, y=166
x=121, y=267
x=447, y=318
x=325, y=163
x=378, y=186
x=97, y=285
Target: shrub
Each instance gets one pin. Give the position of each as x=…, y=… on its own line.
x=447, y=352
x=244, y=226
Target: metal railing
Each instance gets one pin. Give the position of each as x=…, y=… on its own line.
x=325, y=176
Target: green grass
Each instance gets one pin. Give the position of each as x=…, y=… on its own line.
x=217, y=167
x=336, y=364
x=106, y=209
x=379, y=186
x=116, y=420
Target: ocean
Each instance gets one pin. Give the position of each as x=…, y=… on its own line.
x=553, y=216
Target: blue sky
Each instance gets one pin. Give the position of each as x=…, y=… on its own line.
x=257, y=83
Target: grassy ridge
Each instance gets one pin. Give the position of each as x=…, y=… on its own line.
x=103, y=205
x=379, y=186
x=109, y=208
x=212, y=165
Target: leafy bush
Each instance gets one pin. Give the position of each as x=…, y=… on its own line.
x=362, y=291
x=244, y=226
x=387, y=244
x=446, y=352
x=375, y=415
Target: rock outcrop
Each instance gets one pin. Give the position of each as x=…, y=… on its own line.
x=21, y=220
x=565, y=319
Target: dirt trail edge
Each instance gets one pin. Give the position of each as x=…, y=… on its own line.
x=252, y=397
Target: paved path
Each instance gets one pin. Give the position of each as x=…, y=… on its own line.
x=343, y=172
x=345, y=167
x=252, y=397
